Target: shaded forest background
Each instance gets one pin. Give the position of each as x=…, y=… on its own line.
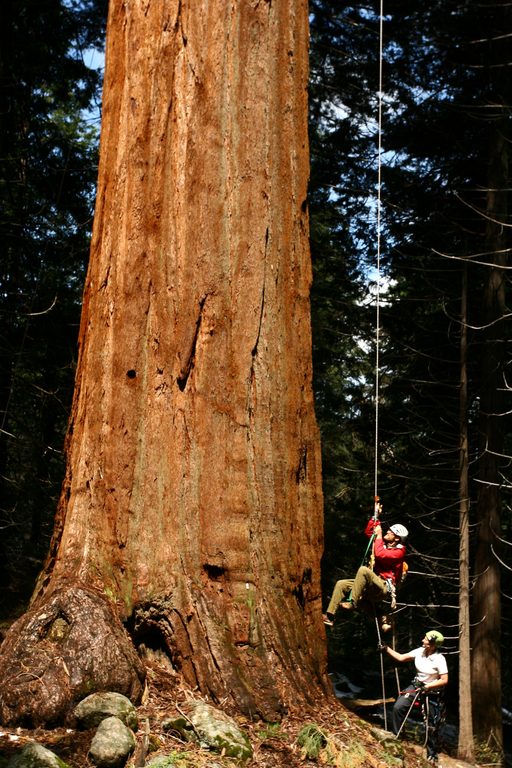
x=444, y=288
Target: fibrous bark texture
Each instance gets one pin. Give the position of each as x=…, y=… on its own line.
x=193, y=487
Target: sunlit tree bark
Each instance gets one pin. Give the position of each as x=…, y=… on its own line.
x=191, y=506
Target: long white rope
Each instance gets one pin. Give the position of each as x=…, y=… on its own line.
x=382, y=676
x=377, y=292
x=377, y=318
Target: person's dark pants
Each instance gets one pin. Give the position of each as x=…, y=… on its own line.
x=433, y=704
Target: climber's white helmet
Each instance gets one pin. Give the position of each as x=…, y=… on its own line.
x=399, y=530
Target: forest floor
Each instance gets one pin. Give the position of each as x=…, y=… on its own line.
x=349, y=741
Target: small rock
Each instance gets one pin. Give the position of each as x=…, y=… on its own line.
x=113, y=742
x=219, y=731
x=96, y=707
x=36, y=756
x=390, y=743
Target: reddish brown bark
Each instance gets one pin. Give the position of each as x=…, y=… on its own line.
x=60, y=654
x=192, y=498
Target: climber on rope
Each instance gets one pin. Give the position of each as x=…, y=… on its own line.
x=427, y=688
x=372, y=585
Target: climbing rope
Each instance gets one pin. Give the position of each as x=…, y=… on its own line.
x=377, y=324
x=413, y=702
x=393, y=645
x=377, y=292
x=382, y=675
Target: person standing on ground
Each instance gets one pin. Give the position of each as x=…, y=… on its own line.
x=373, y=585
x=430, y=681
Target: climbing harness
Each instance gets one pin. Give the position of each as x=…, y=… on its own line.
x=433, y=724
x=431, y=715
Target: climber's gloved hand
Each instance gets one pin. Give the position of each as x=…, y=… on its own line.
x=381, y=648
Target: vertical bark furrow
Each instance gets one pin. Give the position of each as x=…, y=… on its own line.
x=189, y=363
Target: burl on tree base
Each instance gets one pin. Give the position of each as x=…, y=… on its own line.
x=57, y=655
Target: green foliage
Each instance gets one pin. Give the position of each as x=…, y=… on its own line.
x=312, y=740
x=488, y=753
x=271, y=731
x=329, y=749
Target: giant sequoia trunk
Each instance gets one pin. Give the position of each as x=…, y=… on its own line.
x=191, y=507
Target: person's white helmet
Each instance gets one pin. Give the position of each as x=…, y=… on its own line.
x=399, y=530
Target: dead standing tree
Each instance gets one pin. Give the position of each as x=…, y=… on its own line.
x=191, y=507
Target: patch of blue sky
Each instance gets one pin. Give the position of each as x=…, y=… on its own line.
x=94, y=59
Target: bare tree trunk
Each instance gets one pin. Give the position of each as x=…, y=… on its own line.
x=486, y=645
x=486, y=642
x=192, y=500
x=465, y=746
